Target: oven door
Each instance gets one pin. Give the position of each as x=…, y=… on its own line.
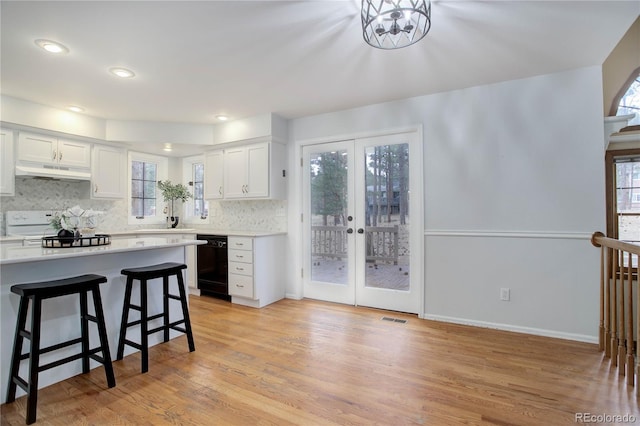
x=213, y=275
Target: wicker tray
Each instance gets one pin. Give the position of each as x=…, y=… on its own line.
x=66, y=242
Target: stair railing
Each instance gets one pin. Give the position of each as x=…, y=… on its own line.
x=618, y=271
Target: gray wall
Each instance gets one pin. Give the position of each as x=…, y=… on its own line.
x=513, y=186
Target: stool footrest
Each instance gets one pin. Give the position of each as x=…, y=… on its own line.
x=132, y=323
x=68, y=359
x=173, y=296
x=18, y=381
x=54, y=347
x=26, y=334
x=152, y=317
x=138, y=346
x=180, y=329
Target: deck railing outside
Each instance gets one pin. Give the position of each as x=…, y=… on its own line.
x=331, y=242
x=618, y=271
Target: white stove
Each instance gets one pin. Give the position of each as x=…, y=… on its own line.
x=31, y=224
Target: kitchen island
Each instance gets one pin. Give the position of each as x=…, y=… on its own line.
x=60, y=316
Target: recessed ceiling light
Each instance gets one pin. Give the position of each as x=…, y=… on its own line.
x=222, y=117
x=122, y=72
x=52, y=46
x=75, y=108
x=167, y=147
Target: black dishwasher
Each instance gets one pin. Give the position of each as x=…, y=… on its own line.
x=213, y=271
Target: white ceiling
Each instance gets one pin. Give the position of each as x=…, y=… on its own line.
x=194, y=60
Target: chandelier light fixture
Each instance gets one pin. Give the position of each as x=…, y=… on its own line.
x=392, y=24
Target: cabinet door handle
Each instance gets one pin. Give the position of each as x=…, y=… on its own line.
x=95, y=188
x=239, y=244
x=239, y=257
x=59, y=155
x=55, y=154
x=220, y=189
x=239, y=269
x=240, y=285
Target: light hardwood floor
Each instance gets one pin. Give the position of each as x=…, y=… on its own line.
x=314, y=363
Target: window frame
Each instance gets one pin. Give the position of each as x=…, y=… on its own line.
x=162, y=169
x=611, y=193
x=187, y=176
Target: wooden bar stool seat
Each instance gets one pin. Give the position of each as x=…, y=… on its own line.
x=144, y=274
x=36, y=293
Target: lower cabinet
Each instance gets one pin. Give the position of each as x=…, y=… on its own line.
x=255, y=274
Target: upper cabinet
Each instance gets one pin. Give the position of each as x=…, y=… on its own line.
x=214, y=175
x=108, y=172
x=50, y=150
x=255, y=171
x=7, y=173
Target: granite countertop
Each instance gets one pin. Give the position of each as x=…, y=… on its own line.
x=19, y=254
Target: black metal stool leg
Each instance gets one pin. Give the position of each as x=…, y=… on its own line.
x=17, y=347
x=165, y=306
x=102, y=333
x=125, y=318
x=84, y=331
x=185, y=312
x=34, y=360
x=144, y=326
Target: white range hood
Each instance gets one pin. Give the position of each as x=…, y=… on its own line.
x=51, y=173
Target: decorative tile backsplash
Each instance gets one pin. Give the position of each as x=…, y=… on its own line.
x=37, y=194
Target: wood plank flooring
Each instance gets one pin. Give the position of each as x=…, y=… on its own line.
x=315, y=363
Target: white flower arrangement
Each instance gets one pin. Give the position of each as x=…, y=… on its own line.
x=72, y=219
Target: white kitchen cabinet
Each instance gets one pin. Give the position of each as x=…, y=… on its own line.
x=255, y=171
x=108, y=172
x=7, y=161
x=49, y=150
x=214, y=175
x=255, y=270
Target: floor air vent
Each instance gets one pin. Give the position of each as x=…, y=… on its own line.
x=393, y=320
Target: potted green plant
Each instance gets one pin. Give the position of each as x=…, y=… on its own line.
x=171, y=193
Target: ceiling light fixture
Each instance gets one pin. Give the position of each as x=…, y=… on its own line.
x=75, y=108
x=222, y=117
x=167, y=147
x=392, y=24
x=52, y=46
x=122, y=72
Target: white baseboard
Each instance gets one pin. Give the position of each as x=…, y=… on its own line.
x=518, y=329
x=293, y=296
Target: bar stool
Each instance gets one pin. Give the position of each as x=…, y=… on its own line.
x=143, y=274
x=36, y=293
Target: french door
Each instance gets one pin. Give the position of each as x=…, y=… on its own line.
x=362, y=233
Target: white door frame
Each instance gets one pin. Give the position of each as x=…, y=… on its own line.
x=417, y=223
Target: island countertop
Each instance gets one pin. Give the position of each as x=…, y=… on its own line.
x=10, y=254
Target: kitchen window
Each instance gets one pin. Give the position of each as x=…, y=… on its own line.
x=145, y=170
x=196, y=208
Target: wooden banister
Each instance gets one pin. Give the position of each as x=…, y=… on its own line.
x=617, y=293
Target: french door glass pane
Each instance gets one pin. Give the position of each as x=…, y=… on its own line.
x=328, y=198
x=628, y=199
x=387, y=216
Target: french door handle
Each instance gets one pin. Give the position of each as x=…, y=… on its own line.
x=360, y=231
x=350, y=231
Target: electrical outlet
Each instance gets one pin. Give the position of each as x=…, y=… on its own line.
x=505, y=294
